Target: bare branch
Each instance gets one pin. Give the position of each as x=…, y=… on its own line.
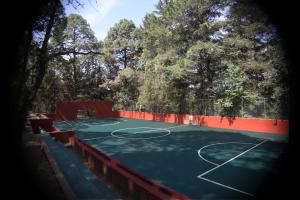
x=73, y=52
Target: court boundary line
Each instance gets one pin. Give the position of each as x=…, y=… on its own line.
x=177, y=126
x=149, y=131
x=95, y=138
x=121, y=135
x=199, y=151
x=110, y=124
x=84, y=123
x=67, y=123
x=224, y=163
x=226, y=186
x=87, y=139
x=153, y=129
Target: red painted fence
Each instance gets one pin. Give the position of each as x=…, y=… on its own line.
x=237, y=123
x=44, y=123
x=68, y=110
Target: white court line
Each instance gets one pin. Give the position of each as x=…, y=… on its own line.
x=176, y=126
x=148, y=131
x=199, y=151
x=201, y=175
x=107, y=124
x=121, y=136
x=72, y=126
x=68, y=123
x=97, y=138
x=106, y=136
x=226, y=186
x=224, y=163
x=156, y=129
x=89, y=124
x=86, y=122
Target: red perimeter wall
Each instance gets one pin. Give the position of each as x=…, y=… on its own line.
x=68, y=110
x=237, y=123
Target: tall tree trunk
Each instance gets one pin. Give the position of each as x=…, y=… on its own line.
x=125, y=57
x=75, y=81
x=43, y=59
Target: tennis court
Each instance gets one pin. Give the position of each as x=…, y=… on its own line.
x=199, y=162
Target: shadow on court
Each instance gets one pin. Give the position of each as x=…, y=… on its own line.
x=173, y=159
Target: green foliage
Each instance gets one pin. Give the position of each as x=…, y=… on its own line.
x=232, y=91
x=35, y=62
x=124, y=89
x=184, y=56
x=164, y=88
x=204, y=62
x=48, y=93
x=80, y=66
x=184, y=59
x=122, y=44
x=153, y=92
x=274, y=86
x=76, y=37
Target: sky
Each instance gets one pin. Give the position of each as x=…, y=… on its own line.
x=103, y=14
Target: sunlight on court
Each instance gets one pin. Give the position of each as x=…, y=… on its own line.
x=192, y=160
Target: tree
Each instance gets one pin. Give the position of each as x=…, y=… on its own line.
x=46, y=26
x=111, y=64
x=253, y=43
x=232, y=92
x=21, y=34
x=274, y=86
x=165, y=87
x=122, y=43
x=204, y=63
x=79, y=49
x=168, y=35
x=48, y=93
x=153, y=96
x=35, y=58
x=15, y=92
x=128, y=92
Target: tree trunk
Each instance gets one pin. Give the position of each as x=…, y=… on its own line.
x=125, y=58
x=42, y=62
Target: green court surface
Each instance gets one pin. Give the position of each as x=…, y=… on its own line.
x=200, y=162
